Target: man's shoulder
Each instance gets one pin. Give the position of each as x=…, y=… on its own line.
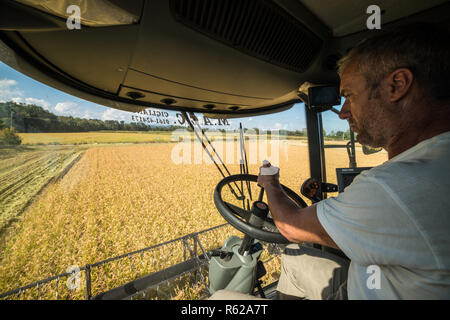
x=426, y=162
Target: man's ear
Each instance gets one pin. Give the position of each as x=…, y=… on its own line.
x=399, y=83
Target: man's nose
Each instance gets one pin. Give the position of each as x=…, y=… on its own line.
x=345, y=111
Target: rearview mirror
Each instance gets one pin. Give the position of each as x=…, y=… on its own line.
x=323, y=97
x=319, y=97
x=370, y=150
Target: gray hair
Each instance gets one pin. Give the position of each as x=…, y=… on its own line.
x=422, y=48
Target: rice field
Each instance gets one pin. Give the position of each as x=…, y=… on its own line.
x=95, y=137
x=112, y=137
x=120, y=198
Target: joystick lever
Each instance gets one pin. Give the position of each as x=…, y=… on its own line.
x=260, y=210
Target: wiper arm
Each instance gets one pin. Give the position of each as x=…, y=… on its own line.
x=241, y=197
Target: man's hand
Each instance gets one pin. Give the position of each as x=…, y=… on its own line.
x=268, y=180
x=294, y=223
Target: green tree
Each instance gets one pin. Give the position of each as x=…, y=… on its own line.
x=9, y=137
x=347, y=134
x=340, y=135
x=32, y=118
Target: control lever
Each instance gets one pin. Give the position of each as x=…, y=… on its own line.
x=224, y=255
x=260, y=210
x=311, y=189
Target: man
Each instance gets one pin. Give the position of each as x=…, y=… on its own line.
x=393, y=221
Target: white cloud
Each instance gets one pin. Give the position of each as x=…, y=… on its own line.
x=9, y=90
x=113, y=114
x=7, y=82
x=39, y=102
x=89, y=115
x=70, y=108
x=67, y=108
x=277, y=125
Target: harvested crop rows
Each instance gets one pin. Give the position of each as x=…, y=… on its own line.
x=23, y=177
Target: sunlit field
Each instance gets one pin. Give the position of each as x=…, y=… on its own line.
x=102, y=137
x=120, y=198
x=95, y=137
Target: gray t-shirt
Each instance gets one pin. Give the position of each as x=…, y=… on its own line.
x=393, y=222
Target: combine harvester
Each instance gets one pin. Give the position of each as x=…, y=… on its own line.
x=220, y=58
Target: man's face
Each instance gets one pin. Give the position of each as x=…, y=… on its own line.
x=365, y=111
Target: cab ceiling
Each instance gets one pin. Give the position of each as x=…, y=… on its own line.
x=347, y=17
x=227, y=57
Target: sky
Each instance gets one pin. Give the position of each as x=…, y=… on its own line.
x=15, y=86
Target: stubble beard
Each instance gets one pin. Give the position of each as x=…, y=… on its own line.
x=367, y=135
x=373, y=128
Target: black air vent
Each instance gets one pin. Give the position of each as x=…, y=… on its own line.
x=257, y=27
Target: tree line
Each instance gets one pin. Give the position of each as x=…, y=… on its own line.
x=33, y=118
x=339, y=135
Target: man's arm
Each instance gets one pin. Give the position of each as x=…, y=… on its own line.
x=294, y=223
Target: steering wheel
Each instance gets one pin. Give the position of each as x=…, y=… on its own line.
x=238, y=217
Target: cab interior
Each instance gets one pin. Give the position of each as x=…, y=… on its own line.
x=225, y=59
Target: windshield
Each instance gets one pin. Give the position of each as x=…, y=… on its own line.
x=82, y=183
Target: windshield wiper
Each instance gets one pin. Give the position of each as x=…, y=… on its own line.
x=195, y=120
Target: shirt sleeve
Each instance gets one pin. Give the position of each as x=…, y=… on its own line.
x=368, y=225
